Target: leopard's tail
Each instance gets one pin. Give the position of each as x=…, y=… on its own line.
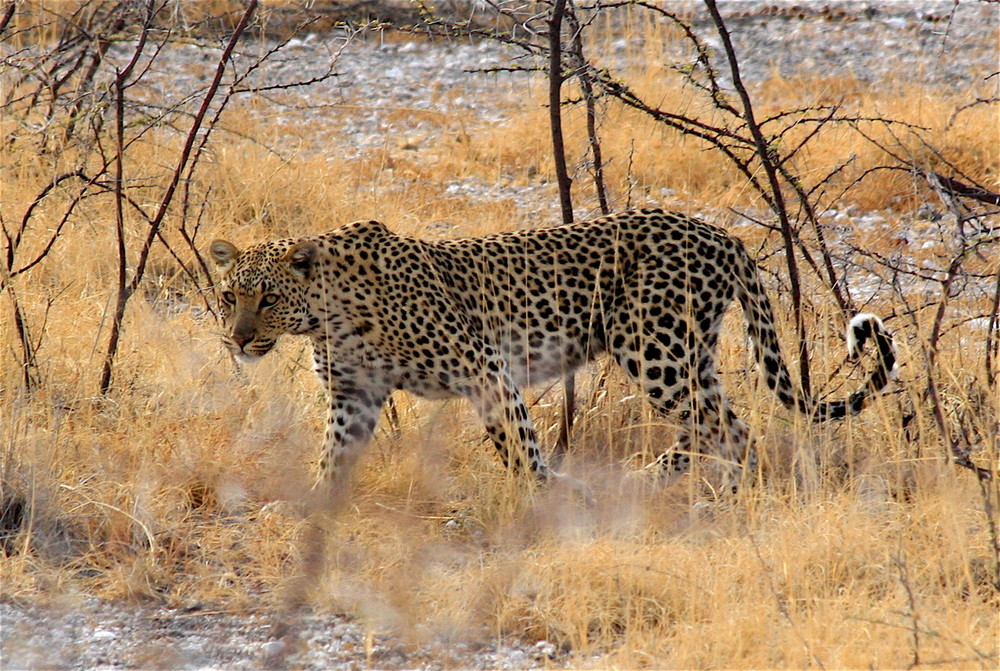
x=760, y=324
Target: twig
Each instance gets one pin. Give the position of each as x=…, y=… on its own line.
x=29, y=369
x=57, y=230
x=993, y=334
x=156, y=222
x=765, y=154
x=957, y=188
x=911, y=611
x=556, y=77
x=123, y=296
x=583, y=68
x=7, y=16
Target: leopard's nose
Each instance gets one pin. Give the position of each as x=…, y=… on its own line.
x=241, y=340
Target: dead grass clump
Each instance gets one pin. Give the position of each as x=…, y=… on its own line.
x=792, y=586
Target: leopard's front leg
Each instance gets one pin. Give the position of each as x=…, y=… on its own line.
x=351, y=418
x=355, y=396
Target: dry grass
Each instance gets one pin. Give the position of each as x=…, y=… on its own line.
x=856, y=542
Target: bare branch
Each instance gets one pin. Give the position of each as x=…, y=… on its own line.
x=766, y=155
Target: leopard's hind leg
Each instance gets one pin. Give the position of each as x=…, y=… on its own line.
x=676, y=368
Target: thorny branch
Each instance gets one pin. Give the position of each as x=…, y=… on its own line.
x=126, y=291
x=60, y=96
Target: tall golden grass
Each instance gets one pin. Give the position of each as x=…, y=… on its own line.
x=861, y=546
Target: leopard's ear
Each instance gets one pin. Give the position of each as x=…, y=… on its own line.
x=224, y=254
x=301, y=259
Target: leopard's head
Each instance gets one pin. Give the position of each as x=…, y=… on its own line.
x=263, y=293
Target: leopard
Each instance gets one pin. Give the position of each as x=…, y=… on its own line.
x=481, y=318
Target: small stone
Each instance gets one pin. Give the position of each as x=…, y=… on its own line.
x=273, y=648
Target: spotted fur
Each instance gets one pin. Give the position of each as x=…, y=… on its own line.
x=483, y=317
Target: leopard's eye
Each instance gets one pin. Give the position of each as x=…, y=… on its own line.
x=268, y=300
x=229, y=297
